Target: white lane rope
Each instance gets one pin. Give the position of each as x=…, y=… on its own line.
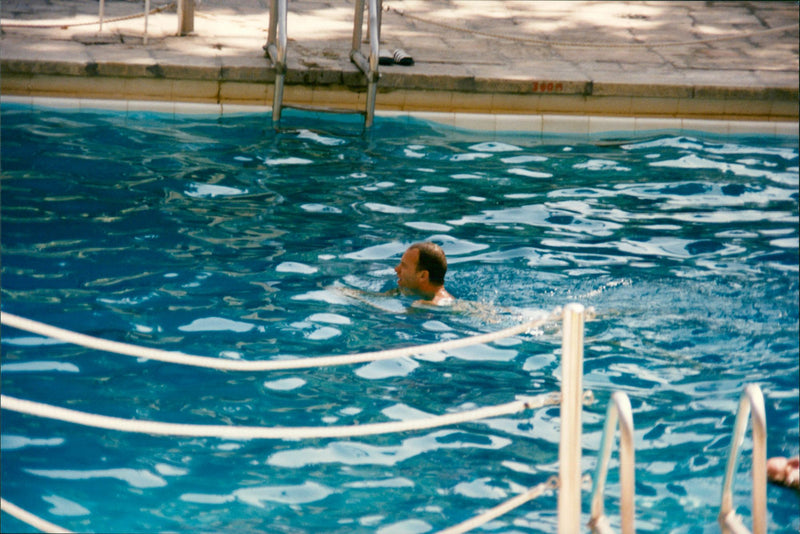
x=181, y=358
x=277, y=433
x=26, y=517
x=501, y=509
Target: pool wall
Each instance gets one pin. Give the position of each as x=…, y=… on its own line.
x=541, y=123
x=398, y=93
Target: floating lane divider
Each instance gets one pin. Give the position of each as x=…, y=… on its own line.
x=27, y=517
x=278, y=433
x=181, y=358
x=501, y=509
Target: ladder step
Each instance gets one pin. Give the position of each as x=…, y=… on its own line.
x=325, y=109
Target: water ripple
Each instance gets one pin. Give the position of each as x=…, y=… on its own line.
x=227, y=238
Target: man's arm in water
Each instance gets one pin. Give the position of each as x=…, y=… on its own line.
x=356, y=293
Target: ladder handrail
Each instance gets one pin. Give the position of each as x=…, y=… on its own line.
x=369, y=66
x=751, y=406
x=619, y=409
x=276, y=49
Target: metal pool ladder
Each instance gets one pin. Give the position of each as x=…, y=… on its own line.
x=751, y=406
x=276, y=50
x=619, y=409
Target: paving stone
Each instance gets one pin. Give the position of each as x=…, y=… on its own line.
x=467, y=53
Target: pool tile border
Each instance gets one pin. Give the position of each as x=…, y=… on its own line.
x=542, y=124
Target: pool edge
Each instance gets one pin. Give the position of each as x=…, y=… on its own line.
x=534, y=123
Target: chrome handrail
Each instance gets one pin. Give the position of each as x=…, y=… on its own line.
x=751, y=403
x=619, y=409
x=276, y=50
x=369, y=66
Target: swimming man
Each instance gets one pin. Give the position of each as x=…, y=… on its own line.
x=421, y=272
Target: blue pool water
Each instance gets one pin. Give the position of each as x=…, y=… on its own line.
x=222, y=237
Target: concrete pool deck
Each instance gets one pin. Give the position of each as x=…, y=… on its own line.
x=627, y=61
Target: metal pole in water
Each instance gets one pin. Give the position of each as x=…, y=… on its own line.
x=569, y=450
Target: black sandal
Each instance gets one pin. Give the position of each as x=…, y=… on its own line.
x=402, y=58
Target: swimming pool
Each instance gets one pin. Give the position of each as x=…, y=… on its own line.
x=222, y=237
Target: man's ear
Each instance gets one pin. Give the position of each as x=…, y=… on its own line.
x=423, y=275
